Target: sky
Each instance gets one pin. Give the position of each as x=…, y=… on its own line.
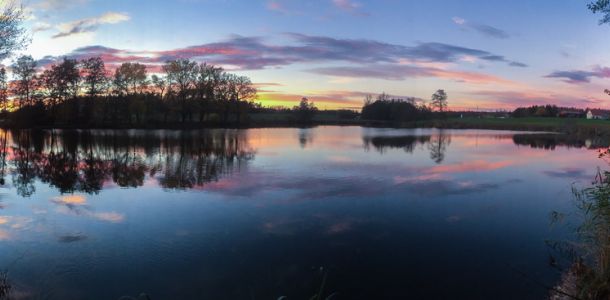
x=486, y=54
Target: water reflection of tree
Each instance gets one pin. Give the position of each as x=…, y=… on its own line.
x=84, y=161
x=305, y=137
x=551, y=141
x=436, y=143
x=438, y=146
x=407, y=143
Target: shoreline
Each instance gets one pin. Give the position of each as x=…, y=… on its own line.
x=549, y=125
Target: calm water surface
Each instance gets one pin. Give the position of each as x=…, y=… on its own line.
x=257, y=214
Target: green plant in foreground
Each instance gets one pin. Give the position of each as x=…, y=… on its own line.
x=593, y=263
x=590, y=251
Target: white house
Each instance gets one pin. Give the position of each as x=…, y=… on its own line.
x=598, y=114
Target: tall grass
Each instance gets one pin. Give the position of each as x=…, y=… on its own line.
x=593, y=246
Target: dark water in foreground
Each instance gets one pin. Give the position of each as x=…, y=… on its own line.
x=255, y=214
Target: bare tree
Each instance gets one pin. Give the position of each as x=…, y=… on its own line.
x=94, y=75
x=24, y=69
x=120, y=83
x=181, y=74
x=159, y=83
x=208, y=79
x=12, y=32
x=3, y=89
x=132, y=76
x=244, y=89
x=61, y=81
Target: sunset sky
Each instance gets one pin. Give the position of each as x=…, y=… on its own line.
x=486, y=54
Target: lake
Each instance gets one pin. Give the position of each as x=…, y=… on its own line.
x=265, y=213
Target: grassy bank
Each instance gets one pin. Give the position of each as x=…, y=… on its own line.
x=563, y=125
x=581, y=127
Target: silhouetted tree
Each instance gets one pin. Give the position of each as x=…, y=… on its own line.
x=548, y=110
x=12, y=32
x=24, y=69
x=3, y=90
x=439, y=100
x=305, y=111
x=62, y=81
x=120, y=83
x=53, y=97
x=181, y=75
x=159, y=83
x=132, y=77
x=207, y=82
x=395, y=110
x=94, y=76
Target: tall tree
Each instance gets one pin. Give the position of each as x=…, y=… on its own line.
x=181, y=74
x=120, y=82
x=159, y=83
x=439, y=100
x=207, y=82
x=61, y=81
x=94, y=75
x=24, y=69
x=133, y=76
x=70, y=74
x=244, y=89
x=12, y=32
x=3, y=89
x=305, y=111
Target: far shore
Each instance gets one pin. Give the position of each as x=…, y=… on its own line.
x=574, y=126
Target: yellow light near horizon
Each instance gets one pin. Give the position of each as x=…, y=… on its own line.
x=290, y=100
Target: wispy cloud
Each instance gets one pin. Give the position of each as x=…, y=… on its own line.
x=350, y=7
x=513, y=98
x=486, y=30
x=368, y=57
x=401, y=72
x=89, y=24
x=580, y=76
x=58, y=4
x=41, y=26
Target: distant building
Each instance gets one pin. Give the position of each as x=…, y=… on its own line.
x=571, y=114
x=598, y=114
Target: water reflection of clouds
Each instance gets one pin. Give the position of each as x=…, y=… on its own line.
x=10, y=225
x=570, y=173
x=325, y=224
x=427, y=182
x=77, y=205
x=470, y=166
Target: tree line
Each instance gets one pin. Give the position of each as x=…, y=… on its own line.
x=85, y=93
x=388, y=108
x=547, y=111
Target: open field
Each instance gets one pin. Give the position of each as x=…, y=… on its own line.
x=564, y=125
